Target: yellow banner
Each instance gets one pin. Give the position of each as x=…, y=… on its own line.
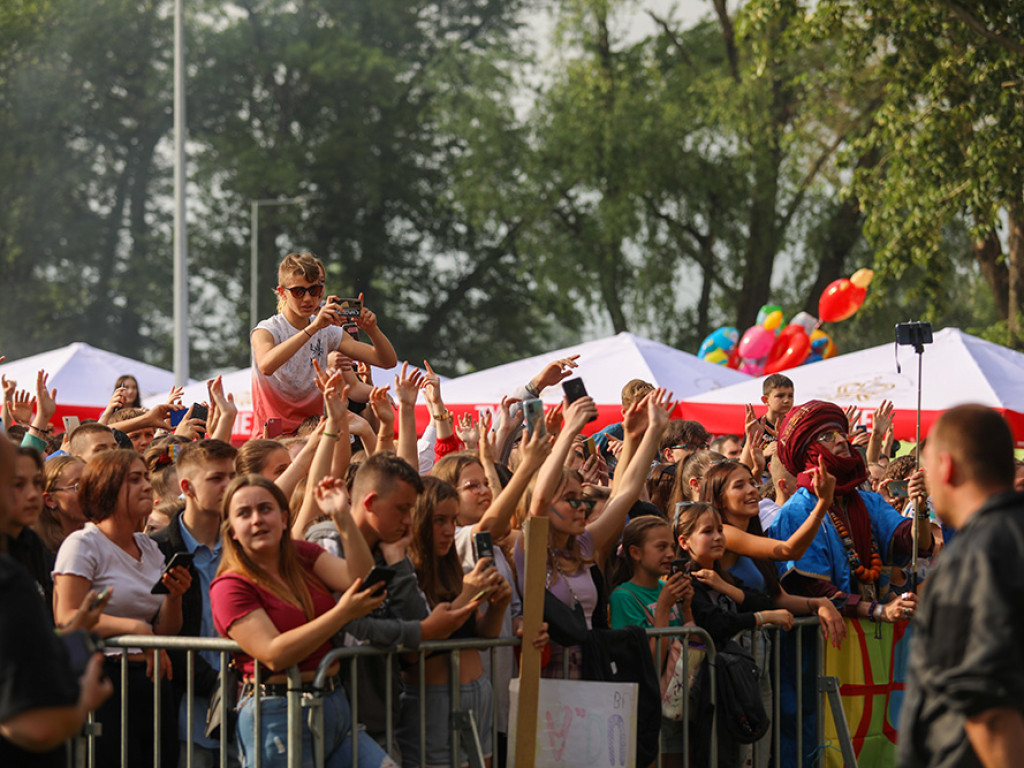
x=871, y=672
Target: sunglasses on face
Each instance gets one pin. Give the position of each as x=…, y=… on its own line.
x=831, y=436
x=577, y=503
x=474, y=486
x=298, y=291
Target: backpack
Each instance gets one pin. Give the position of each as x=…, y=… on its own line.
x=741, y=714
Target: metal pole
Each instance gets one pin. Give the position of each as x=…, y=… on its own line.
x=181, y=350
x=921, y=501
x=254, y=234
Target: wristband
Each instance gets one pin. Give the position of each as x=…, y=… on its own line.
x=325, y=433
x=758, y=619
x=871, y=610
x=443, y=416
x=47, y=431
x=385, y=435
x=306, y=331
x=532, y=390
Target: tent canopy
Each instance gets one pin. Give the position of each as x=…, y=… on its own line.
x=957, y=368
x=84, y=377
x=605, y=365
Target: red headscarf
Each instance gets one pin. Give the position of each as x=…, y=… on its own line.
x=799, y=451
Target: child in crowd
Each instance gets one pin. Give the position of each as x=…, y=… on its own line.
x=640, y=598
x=778, y=396
x=305, y=331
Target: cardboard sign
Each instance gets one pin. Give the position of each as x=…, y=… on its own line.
x=581, y=724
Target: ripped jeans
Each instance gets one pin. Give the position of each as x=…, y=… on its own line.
x=338, y=734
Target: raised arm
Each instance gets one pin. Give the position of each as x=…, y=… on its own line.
x=442, y=418
x=338, y=573
x=533, y=454
x=793, y=548
x=336, y=407
x=380, y=402
x=577, y=415
x=607, y=529
x=881, y=421
x=407, y=388
x=225, y=409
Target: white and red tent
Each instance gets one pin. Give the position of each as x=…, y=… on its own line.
x=84, y=377
x=605, y=365
x=957, y=368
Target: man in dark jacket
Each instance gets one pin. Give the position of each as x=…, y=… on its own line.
x=205, y=468
x=965, y=681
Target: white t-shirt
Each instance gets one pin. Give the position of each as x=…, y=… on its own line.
x=290, y=392
x=90, y=554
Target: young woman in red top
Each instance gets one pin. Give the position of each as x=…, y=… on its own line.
x=273, y=596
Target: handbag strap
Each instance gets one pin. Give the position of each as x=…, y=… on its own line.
x=644, y=608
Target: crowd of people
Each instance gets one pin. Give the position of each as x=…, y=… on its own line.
x=336, y=524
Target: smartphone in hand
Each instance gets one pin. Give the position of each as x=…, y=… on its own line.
x=533, y=416
x=378, y=578
x=483, y=546
x=574, y=389
x=184, y=559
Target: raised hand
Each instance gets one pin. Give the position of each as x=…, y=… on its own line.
x=174, y=398
x=487, y=445
x=579, y=413
x=507, y=423
x=553, y=419
x=407, y=385
x=823, y=483
x=383, y=407
x=367, y=320
x=467, y=430
x=852, y=416
x=332, y=498
x=881, y=419
x=634, y=419
x=431, y=386
x=659, y=408
x=534, y=450
x=46, y=400
x=555, y=372
x=20, y=406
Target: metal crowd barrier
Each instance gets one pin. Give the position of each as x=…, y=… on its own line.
x=313, y=704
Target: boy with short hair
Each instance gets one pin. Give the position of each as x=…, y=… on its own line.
x=778, y=396
x=286, y=345
x=205, y=468
x=384, y=491
x=91, y=438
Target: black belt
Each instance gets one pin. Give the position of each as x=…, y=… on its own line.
x=281, y=689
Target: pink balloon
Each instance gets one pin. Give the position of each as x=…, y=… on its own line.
x=756, y=343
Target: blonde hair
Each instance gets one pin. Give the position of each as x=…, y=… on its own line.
x=304, y=265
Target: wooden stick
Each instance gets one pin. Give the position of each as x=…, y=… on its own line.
x=535, y=563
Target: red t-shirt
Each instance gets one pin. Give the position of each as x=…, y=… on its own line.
x=233, y=596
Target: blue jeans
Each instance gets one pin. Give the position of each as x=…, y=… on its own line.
x=338, y=734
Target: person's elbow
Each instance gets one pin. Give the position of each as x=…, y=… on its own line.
x=387, y=358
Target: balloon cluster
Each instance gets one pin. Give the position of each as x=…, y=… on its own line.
x=771, y=345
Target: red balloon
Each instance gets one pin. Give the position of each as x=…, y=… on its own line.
x=840, y=300
x=790, y=350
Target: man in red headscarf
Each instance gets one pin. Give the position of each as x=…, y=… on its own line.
x=860, y=533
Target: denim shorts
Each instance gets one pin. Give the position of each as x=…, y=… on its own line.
x=338, y=734
x=476, y=696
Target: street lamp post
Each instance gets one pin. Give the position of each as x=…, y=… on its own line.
x=181, y=335
x=254, y=229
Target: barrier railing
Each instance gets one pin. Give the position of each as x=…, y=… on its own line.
x=297, y=701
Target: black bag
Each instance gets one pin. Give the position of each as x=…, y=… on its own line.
x=566, y=626
x=741, y=714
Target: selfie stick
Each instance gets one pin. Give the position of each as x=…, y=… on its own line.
x=915, y=532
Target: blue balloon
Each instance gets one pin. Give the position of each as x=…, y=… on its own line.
x=718, y=344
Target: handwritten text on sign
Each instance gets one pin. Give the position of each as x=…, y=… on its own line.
x=581, y=724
